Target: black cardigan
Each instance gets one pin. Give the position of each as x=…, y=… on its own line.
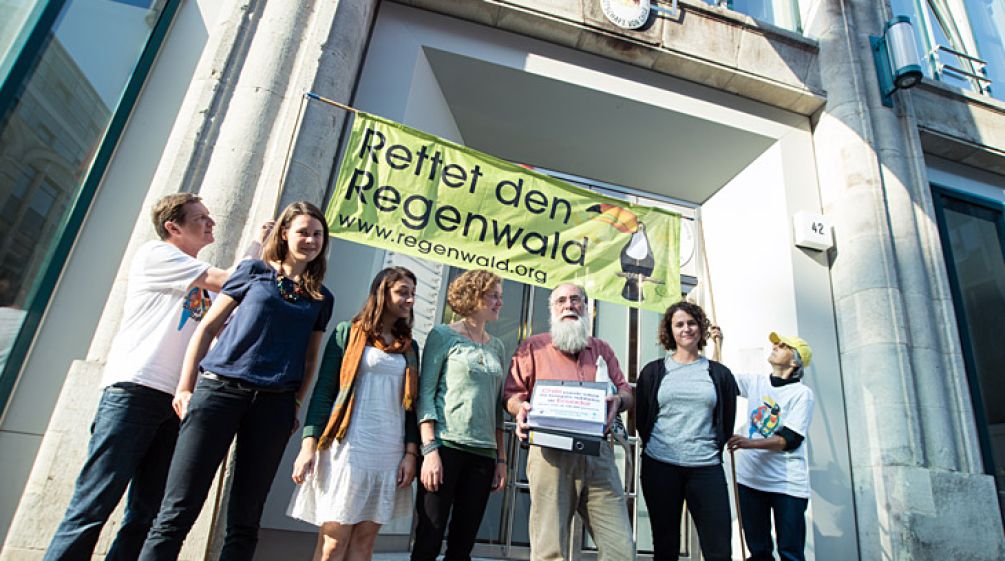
x=647, y=406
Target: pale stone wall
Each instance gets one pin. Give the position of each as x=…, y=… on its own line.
x=960, y=126
x=63, y=450
x=919, y=488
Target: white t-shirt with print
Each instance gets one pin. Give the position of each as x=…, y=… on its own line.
x=161, y=312
x=769, y=409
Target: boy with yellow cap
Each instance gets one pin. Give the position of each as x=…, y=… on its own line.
x=773, y=473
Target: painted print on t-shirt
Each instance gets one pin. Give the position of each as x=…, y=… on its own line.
x=195, y=305
x=766, y=419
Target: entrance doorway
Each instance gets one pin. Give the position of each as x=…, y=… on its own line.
x=748, y=166
x=632, y=334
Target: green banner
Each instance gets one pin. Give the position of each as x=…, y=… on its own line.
x=410, y=192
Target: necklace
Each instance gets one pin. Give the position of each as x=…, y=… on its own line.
x=481, y=352
x=467, y=331
x=289, y=289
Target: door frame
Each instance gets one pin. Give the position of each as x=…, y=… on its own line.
x=940, y=194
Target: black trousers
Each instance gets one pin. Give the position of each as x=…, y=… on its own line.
x=790, y=524
x=219, y=410
x=467, y=482
x=666, y=487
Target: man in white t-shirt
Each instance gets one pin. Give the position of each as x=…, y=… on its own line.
x=772, y=472
x=135, y=428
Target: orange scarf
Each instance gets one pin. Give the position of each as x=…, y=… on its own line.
x=338, y=422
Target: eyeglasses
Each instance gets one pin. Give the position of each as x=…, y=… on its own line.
x=575, y=300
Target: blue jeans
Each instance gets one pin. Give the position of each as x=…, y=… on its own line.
x=132, y=437
x=666, y=487
x=789, y=512
x=219, y=410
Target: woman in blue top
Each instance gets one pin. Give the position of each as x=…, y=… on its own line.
x=250, y=385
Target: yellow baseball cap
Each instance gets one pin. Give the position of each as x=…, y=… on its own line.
x=797, y=344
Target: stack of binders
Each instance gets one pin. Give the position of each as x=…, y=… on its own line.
x=579, y=443
x=568, y=415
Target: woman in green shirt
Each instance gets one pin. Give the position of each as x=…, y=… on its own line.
x=460, y=420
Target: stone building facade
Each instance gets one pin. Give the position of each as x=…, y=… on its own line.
x=903, y=455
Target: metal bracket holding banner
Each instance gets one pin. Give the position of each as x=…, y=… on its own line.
x=672, y=12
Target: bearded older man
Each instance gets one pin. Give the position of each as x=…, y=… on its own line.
x=561, y=482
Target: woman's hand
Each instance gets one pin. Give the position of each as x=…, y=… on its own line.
x=715, y=334
x=499, y=479
x=432, y=471
x=406, y=470
x=303, y=466
x=264, y=231
x=180, y=402
x=737, y=441
x=776, y=443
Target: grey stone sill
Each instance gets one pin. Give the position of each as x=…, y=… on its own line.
x=963, y=96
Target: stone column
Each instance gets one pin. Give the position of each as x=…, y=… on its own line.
x=913, y=440
x=243, y=115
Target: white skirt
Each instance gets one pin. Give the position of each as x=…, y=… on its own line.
x=356, y=479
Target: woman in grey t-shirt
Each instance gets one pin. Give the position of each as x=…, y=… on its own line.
x=686, y=405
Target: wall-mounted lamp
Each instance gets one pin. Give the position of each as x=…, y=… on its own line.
x=896, y=58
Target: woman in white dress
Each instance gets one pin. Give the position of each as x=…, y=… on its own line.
x=360, y=440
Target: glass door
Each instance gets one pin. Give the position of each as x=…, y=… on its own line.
x=973, y=240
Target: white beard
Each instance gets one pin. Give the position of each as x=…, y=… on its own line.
x=569, y=335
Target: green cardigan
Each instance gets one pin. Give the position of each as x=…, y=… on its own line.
x=327, y=388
